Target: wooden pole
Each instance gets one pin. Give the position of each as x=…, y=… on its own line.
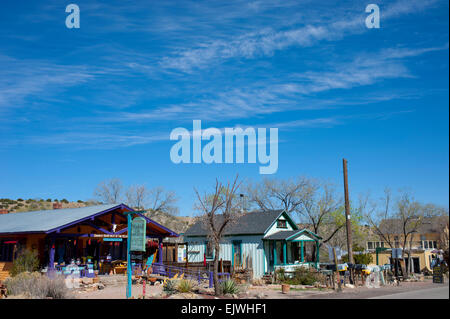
x=337, y=272
x=347, y=214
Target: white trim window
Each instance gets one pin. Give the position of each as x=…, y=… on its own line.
x=375, y=244
x=428, y=244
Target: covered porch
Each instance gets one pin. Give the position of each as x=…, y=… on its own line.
x=292, y=249
x=93, y=239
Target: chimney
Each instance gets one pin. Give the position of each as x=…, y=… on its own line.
x=3, y=211
x=57, y=205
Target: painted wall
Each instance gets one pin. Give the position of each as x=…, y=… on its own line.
x=250, y=246
x=424, y=258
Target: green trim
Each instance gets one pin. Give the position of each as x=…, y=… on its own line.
x=232, y=255
x=232, y=250
x=284, y=253
x=274, y=253
x=305, y=230
x=288, y=218
x=302, y=248
x=206, y=257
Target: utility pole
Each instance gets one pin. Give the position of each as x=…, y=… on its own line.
x=347, y=214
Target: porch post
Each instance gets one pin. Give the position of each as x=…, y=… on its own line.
x=160, y=251
x=317, y=253
x=274, y=252
x=302, y=253
x=284, y=252
x=51, y=262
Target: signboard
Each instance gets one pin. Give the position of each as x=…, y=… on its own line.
x=181, y=253
x=438, y=277
x=137, y=234
x=111, y=239
x=108, y=236
x=396, y=253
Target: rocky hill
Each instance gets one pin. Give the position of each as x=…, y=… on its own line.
x=178, y=224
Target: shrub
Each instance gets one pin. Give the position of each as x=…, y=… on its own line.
x=229, y=287
x=185, y=285
x=35, y=285
x=64, y=201
x=170, y=287
x=301, y=276
x=280, y=274
x=49, y=200
x=363, y=259
x=26, y=260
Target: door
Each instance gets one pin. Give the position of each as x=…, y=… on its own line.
x=237, y=253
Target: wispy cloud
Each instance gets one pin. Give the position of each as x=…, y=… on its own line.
x=267, y=41
x=39, y=79
x=299, y=93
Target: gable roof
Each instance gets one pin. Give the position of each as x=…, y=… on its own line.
x=46, y=221
x=252, y=223
x=291, y=234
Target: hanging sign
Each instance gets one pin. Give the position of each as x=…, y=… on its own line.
x=137, y=234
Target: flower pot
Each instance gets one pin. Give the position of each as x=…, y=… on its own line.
x=285, y=288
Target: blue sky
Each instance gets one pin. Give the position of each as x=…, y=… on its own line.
x=78, y=106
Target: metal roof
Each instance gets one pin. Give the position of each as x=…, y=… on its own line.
x=47, y=220
x=253, y=223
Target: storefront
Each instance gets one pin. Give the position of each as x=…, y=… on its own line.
x=95, y=235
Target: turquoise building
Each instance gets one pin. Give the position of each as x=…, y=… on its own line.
x=262, y=240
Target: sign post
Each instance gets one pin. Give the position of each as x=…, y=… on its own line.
x=138, y=237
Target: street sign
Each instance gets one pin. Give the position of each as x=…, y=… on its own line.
x=396, y=253
x=137, y=235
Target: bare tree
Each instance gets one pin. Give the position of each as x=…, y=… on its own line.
x=219, y=211
x=161, y=200
x=321, y=209
x=398, y=225
x=273, y=194
x=137, y=196
x=109, y=191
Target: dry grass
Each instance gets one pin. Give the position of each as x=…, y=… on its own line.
x=36, y=286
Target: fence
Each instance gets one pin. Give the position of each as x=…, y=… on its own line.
x=199, y=275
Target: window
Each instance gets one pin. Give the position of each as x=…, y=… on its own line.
x=375, y=244
x=6, y=250
x=281, y=223
x=208, y=250
x=428, y=244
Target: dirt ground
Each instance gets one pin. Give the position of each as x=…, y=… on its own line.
x=264, y=292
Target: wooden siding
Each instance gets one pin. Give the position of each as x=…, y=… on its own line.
x=5, y=267
x=250, y=246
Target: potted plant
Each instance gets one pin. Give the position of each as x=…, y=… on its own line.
x=285, y=288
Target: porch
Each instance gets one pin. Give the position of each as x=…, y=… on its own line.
x=291, y=249
x=87, y=241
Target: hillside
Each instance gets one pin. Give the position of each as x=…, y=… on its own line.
x=178, y=224
x=26, y=205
